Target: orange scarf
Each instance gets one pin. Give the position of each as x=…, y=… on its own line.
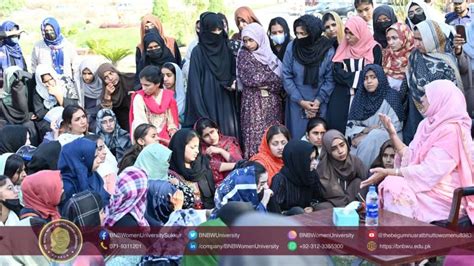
x=265, y=157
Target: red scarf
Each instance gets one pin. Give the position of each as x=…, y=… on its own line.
x=167, y=102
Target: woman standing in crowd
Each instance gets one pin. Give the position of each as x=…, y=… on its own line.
x=156, y=53
x=116, y=90
x=340, y=173
x=243, y=16
x=297, y=184
x=386, y=157
x=78, y=162
x=173, y=79
x=154, y=105
x=430, y=61
x=224, y=151
x=436, y=162
x=383, y=18
x=10, y=50
x=115, y=138
x=356, y=50
x=280, y=36
x=90, y=88
x=54, y=50
x=419, y=11
x=333, y=27
x=307, y=74
x=211, y=84
x=270, y=152
x=259, y=71
x=144, y=134
x=13, y=166
x=395, y=58
x=315, y=131
x=14, y=107
x=373, y=97
x=187, y=161
x=12, y=137
x=365, y=10
x=149, y=22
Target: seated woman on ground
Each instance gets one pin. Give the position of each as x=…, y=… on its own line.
x=224, y=151
x=297, y=184
x=373, y=97
x=246, y=184
x=437, y=161
x=270, y=152
x=340, y=173
x=315, y=131
x=144, y=134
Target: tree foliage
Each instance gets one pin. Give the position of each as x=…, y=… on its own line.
x=161, y=10
x=8, y=6
x=216, y=6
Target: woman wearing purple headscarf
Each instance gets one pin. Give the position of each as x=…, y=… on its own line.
x=259, y=71
x=54, y=49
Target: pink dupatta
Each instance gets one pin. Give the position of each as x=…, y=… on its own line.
x=447, y=107
x=167, y=102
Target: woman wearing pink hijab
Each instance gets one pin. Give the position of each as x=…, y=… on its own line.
x=259, y=71
x=357, y=49
x=437, y=161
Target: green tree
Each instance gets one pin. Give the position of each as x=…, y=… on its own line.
x=161, y=10
x=216, y=6
x=8, y=6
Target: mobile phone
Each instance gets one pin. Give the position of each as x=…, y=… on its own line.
x=461, y=30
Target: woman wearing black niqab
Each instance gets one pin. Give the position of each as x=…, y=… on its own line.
x=211, y=92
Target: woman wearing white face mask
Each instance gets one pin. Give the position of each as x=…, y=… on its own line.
x=279, y=34
x=10, y=50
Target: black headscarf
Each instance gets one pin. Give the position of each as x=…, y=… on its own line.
x=159, y=56
x=381, y=27
x=215, y=47
x=200, y=171
x=45, y=157
x=310, y=51
x=366, y=104
x=282, y=22
x=230, y=212
x=12, y=137
x=297, y=163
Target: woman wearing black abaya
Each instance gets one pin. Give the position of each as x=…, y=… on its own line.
x=297, y=184
x=12, y=137
x=187, y=161
x=156, y=53
x=211, y=85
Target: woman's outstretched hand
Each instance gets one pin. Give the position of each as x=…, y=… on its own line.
x=377, y=175
x=387, y=124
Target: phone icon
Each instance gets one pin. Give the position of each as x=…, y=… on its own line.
x=103, y=246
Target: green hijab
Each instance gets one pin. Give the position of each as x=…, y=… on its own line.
x=3, y=162
x=154, y=159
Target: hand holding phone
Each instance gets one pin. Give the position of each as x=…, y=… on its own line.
x=461, y=30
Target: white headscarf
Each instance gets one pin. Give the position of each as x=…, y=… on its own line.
x=49, y=100
x=431, y=14
x=93, y=90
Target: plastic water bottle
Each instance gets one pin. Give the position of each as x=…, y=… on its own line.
x=372, y=208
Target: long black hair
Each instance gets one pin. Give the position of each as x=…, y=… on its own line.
x=13, y=165
x=282, y=22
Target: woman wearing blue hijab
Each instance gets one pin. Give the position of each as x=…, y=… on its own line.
x=10, y=50
x=78, y=162
x=54, y=50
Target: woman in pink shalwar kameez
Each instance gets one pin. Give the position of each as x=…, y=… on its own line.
x=437, y=161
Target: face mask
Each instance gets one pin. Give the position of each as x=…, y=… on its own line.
x=14, y=39
x=382, y=26
x=50, y=36
x=417, y=18
x=13, y=205
x=279, y=39
x=155, y=53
